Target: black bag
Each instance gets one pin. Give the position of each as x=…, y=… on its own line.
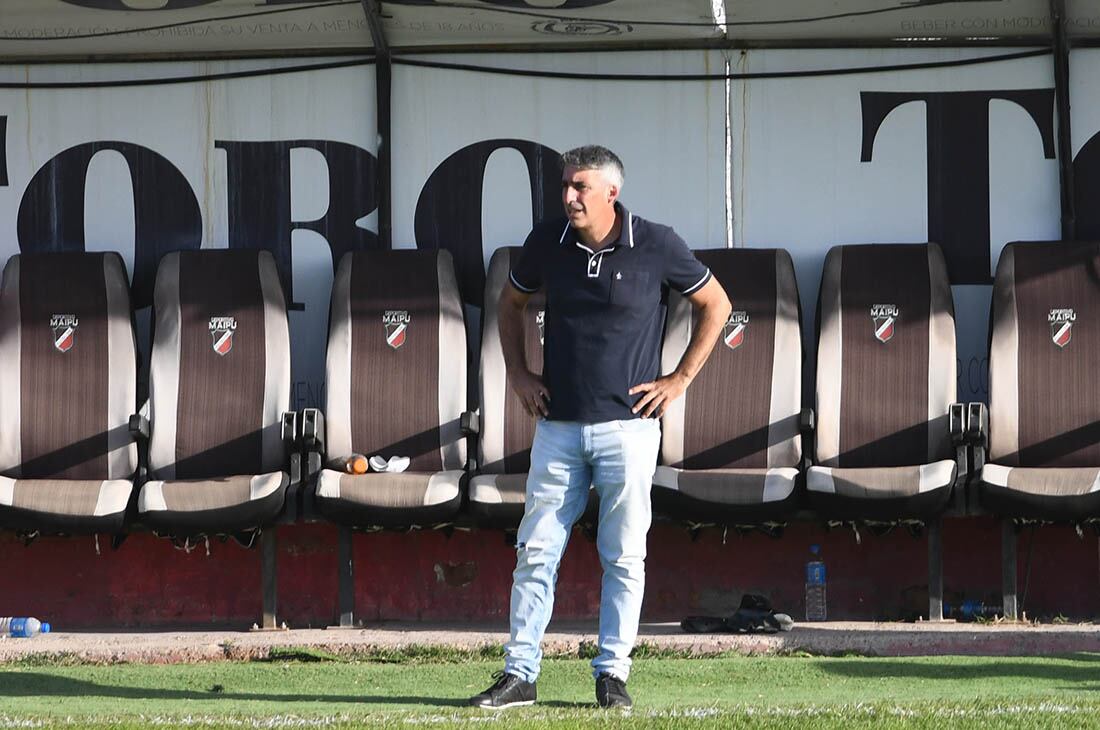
x=754, y=616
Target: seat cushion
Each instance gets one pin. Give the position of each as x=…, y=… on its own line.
x=64, y=505
x=886, y=493
x=505, y=489
x=498, y=500
x=226, y=504
x=729, y=486
x=389, y=500
x=743, y=496
x=1046, y=493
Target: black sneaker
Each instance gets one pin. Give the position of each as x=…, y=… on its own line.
x=508, y=691
x=611, y=693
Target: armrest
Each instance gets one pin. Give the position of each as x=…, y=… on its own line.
x=140, y=432
x=807, y=421
x=292, y=436
x=312, y=434
x=977, y=431
x=977, y=426
x=292, y=443
x=139, y=428
x=313, y=430
x=956, y=423
x=470, y=423
x=807, y=424
x=956, y=427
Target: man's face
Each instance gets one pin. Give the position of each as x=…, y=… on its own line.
x=588, y=197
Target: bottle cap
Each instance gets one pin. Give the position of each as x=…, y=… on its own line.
x=815, y=549
x=45, y=628
x=357, y=464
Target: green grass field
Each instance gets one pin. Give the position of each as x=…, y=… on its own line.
x=410, y=691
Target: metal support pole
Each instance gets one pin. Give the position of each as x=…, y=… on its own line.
x=383, y=69
x=1008, y=569
x=269, y=545
x=1065, y=140
x=345, y=578
x=935, y=569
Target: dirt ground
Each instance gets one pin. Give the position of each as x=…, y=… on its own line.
x=875, y=639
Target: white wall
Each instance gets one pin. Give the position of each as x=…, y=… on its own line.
x=797, y=179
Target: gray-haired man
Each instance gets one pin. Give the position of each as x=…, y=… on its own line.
x=606, y=274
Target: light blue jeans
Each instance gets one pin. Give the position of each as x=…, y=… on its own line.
x=618, y=459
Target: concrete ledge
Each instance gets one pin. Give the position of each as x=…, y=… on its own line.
x=866, y=638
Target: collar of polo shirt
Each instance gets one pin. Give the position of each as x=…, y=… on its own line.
x=595, y=258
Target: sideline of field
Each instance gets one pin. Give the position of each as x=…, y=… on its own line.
x=774, y=691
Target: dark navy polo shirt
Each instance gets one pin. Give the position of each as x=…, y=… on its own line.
x=605, y=311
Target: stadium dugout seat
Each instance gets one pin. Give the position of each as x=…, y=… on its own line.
x=1043, y=421
x=221, y=445
x=395, y=387
x=68, y=385
x=890, y=439
x=497, y=492
x=731, y=446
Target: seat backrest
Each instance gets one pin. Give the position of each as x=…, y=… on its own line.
x=506, y=429
x=219, y=377
x=396, y=362
x=1044, y=356
x=742, y=409
x=885, y=356
x=68, y=371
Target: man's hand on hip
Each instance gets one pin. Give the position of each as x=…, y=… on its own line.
x=531, y=391
x=659, y=394
x=712, y=308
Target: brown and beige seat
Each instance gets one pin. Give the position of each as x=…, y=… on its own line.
x=731, y=446
x=497, y=493
x=1037, y=447
x=219, y=385
x=1044, y=433
x=395, y=387
x=68, y=385
x=889, y=433
x=890, y=440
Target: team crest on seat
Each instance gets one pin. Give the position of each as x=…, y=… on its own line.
x=540, y=320
x=64, y=331
x=1061, y=325
x=221, y=334
x=734, y=333
x=884, y=317
x=396, y=322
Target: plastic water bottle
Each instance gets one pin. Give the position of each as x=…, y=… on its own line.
x=970, y=610
x=815, y=586
x=356, y=464
x=22, y=627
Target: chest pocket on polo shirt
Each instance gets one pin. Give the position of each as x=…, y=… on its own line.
x=631, y=288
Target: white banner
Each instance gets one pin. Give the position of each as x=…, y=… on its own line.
x=60, y=28
x=820, y=162
x=968, y=22
x=287, y=162
x=964, y=156
x=197, y=164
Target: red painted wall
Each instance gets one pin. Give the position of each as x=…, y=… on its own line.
x=427, y=576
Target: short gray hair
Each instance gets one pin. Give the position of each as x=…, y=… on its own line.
x=595, y=157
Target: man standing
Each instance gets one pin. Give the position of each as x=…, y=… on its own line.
x=606, y=273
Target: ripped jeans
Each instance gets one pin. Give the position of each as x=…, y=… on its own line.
x=618, y=459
